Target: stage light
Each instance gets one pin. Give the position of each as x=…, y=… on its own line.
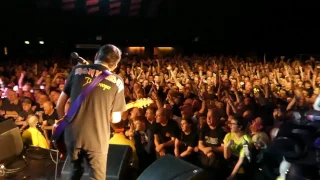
x=136, y=48
x=165, y=48
x=41, y=42
x=26, y=42
x=5, y=51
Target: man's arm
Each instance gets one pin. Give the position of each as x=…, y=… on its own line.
x=176, y=148
x=11, y=113
x=187, y=152
x=61, y=104
x=64, y=96
x=46, y=126
x=202, y=147
x=156, y=140
x=169, y=143
x=217, y=149
x=150, y=144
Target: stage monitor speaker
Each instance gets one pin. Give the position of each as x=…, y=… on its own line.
x=118, y=164
x=7, y=125
x=172, y=168
x=11, y=144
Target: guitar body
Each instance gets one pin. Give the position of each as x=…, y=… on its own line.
x=58, y=136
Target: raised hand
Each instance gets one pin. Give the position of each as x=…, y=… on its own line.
x=154, y=96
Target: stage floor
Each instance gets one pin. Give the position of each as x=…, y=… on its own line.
x=39, y=167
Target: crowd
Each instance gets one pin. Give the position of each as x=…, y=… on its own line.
x=215, y=112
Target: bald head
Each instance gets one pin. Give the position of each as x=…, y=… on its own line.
x=11, y=94
x=48, y=107
x=162, y=115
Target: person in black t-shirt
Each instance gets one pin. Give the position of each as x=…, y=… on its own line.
x=186, y=142
x=23, y=115
x=151, y=118
x=10, y=106
x=48, y=118
x=87, y=135
x=211, y=141
x=165, y=133
x=42, y=98
x=144, y=143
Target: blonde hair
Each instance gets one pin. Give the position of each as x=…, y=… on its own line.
x=33, y=120
x=262, y=138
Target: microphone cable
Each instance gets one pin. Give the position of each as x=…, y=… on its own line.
x=4, y=171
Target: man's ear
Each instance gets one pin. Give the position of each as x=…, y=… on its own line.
x=96, y=56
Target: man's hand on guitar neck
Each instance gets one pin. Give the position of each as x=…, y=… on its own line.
x=56, y=121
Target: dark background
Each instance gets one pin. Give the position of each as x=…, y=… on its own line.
x=224, y=27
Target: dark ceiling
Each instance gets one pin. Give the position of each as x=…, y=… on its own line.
x=220, y=23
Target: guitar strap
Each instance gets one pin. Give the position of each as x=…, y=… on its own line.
x=77, y=103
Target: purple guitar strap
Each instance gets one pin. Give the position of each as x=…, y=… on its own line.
x=77, y=103
x=86, y=91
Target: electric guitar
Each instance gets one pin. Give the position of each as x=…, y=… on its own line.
x=62, y=124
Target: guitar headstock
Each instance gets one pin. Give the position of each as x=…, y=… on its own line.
x=144, y=102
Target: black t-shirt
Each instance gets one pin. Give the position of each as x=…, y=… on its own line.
x=7, y=106
x=165, y=133
x=187, y=140
x=90, y=128
x=25, y=114
x=50, y=118
x=151, y=127
x=144, y=143
x=38, y=108
x=212, y=137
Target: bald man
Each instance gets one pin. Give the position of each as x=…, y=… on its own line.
x=166, y=130
x=48, y=118
x=10, y=106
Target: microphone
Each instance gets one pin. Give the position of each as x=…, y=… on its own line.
x=80, y=60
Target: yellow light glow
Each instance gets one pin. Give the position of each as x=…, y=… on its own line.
x=26, y=42
x=136, y=48
x=165, y=48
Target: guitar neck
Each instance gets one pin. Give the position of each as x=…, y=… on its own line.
x=139, y=103
x=130, y=105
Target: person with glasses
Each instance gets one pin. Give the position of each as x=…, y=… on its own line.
x=234, y=147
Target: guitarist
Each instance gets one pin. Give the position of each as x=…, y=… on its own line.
x=87, y=136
